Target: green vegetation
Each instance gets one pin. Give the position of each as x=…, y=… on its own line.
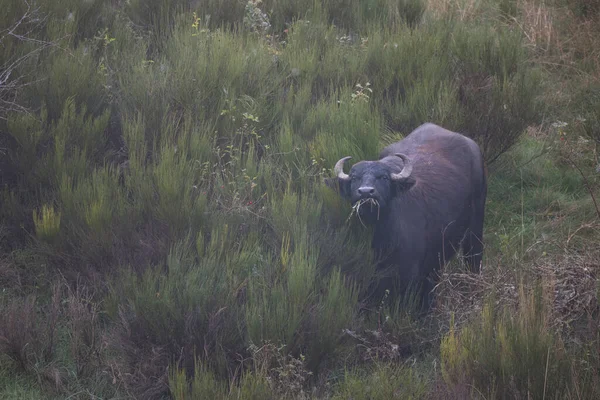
x=165, y=231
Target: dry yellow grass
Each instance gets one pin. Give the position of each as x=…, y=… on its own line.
x=537, y=23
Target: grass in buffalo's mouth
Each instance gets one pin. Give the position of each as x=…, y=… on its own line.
x=356, y=208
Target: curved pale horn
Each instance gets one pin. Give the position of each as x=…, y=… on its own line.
x=406, y=171
x=339, y=169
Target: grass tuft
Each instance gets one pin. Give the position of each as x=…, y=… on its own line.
x=164, y=162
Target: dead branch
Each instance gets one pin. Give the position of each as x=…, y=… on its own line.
x=10, y=84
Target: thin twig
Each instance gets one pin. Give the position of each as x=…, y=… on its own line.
x=590, y=225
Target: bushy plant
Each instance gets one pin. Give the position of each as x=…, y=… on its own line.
x=509, y=353
x=589, y=103
x=55, y=339
x=193, y=307
x=204, y=384
x=383, y=381
x=47, y=223
x=173, y=159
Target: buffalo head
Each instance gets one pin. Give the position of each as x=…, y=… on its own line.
x=371, y=185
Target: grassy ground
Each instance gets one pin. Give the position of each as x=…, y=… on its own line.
x=164, y=228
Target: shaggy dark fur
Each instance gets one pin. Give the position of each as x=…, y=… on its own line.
x=422, y=220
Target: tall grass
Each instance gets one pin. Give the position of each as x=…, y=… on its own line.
x=171, y=161
x=513, y=353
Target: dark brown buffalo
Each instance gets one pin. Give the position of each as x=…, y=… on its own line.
x=425, y=197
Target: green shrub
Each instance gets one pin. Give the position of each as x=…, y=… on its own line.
x=193, y=305
x=74, y=21
x=479, y=84
x=155, y=16
x=508, y=353
x=383, y=381
x=335, y=312
x=204, y=385
x=180, y=157
x=73, y=145
x=501, y=102
x=53, y=336
x=342, y=129
x=529, y=190
x=75, y=75
x=47, y=224
x=27, y=132
x=15, y=386
x=275, y=311
x=94, y=209
x=276, y=16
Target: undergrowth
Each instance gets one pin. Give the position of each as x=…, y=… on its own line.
x=164, y=227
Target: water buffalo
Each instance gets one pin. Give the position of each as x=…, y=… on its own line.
x=425, y=198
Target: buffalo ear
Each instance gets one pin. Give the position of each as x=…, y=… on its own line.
x=339, y=185
x=402, y=185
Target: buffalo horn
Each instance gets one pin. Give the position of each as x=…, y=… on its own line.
x=339, y=169
x=406, y=171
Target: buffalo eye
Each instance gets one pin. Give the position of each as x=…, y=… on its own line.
x=384, y=177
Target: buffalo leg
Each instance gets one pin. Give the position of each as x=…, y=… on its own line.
x=414, y=293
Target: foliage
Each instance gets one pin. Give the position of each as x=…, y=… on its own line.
x=47, y=223
x=509, y=353
x=383, y=382
x=163, y=161
x=56, y=340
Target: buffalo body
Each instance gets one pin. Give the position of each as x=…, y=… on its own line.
x=425, y=198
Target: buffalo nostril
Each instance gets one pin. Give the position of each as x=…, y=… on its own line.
x=366, y=190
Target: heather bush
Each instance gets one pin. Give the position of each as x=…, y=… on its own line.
x=191, y=306
x=275, y=16
x=169, y=169
x=47, y=223
x=57, y=340
x=75, y=75
x=509, y=353
x=383, y=381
